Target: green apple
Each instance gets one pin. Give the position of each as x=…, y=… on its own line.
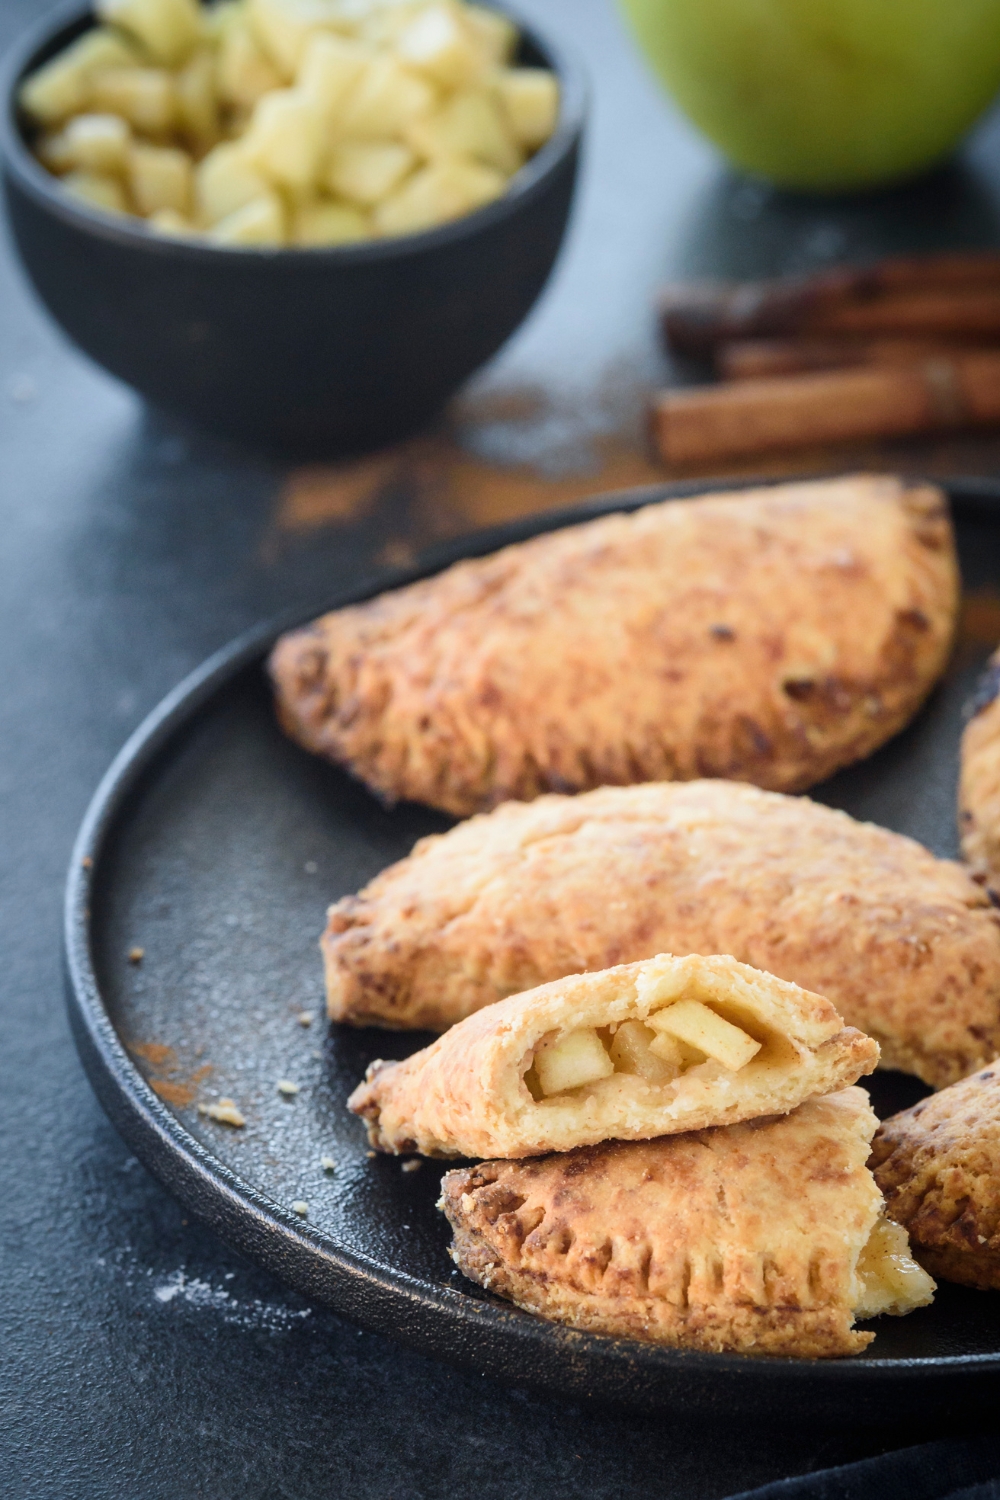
x=826, y=94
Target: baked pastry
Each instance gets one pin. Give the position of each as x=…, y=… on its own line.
x=768, y=636
x=979, y=781
x=938, y=1165
x=637, y=1051
x=763, y=1238
x=905, y=946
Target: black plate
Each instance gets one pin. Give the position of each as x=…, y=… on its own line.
x=215, y=844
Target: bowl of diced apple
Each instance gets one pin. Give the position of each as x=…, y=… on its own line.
x=298, y=223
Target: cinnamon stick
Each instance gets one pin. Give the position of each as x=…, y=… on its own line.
x=753, y=359
x=706, y=425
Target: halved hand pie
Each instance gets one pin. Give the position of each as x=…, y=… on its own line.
x=642, y=1050
x=762, y=1238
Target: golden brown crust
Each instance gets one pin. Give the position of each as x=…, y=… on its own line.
x=769, y=637
x=938, y=1165
x=979, y=781
x=745, y=1238
x=466, y=1094
x=906, y=946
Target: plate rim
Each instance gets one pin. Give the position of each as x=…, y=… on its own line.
x=435, y=1319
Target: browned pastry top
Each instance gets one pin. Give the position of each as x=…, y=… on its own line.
x=769, y=636
x=938, y=1165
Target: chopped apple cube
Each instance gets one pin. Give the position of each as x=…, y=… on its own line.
x=438, y=43
x=285, y=139
x=443, y=191
x=890, y=1279
x=327, y=223
x=94, y=143
x=197, y=105
x=284, y=27
x=330, y=65
x=469, y=124
x=97, y=190
x=385, y=99
x=160, y=177
x=168, y=29
x=367, y=171
x=632, y=1051
x=143, y=96
x=694, y=1023
x=530, y=100
x=225, y=181
x=61, y=87
x=244, y=73
x=570, y=1060
x=168, y=221
x=496, y=34
x=259, y=222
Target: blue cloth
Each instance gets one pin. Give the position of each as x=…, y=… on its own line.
x=968, y=1469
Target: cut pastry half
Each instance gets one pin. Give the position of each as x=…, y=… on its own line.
x=637, y=1051
x=759, y=1238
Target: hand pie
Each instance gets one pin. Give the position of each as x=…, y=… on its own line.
x=906, y=946
x=979, y=781
x=643, y=1050
x=938, y=1165
x=761, y=1238
x=768, y=636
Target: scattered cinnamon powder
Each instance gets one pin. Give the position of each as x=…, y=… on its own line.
x=181, y=1094
x=157, y=1054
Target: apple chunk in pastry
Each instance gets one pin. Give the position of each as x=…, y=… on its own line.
x=761, y=1238
x=641, y=1050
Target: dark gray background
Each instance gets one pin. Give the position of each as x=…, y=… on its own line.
x=139, y=1356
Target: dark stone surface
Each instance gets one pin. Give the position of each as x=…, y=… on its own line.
x=128, y=550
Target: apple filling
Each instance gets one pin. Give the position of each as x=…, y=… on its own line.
x=890, y=1279
x=658, y=1050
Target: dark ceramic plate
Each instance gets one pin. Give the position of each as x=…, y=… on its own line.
x=215, y=844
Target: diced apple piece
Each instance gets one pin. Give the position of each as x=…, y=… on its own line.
x=694, y=1023
x=330, y=66
x=224, y=181
x=197, y=105
x=367, y=171
x=283, y=28
x=385, y=99
x=143, y=96
x=496, y=34
x=244, y=73
x=94, y=143
x=443, y=191
x=632, y=1051
x=285, y=139
x=469, y=124
x=259, y=222
x=438, y=43
x=570, y=1060
x=890, y=1279
x=168, y=221
x=530, y=100
x=97, y=190
x=326, y=223
x=159, y=177
x=168, y=29
x=61, y=87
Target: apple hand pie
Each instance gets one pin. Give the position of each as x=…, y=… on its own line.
x=979, y=780
x=906, y=946
x=938, y=1165
x=768, y=636
x=760, y=1238
x=642, y=1050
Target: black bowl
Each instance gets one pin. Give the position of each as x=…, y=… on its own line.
x=327, y=350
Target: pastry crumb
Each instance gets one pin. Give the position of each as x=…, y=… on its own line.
x=287, y=1088
x=301, y=1207
x=136, y=955
x=86, y=863
x=328, y=1164
x=305, y=1018
x=225, y=1112
x=371, y=1155
x=413, y=1165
